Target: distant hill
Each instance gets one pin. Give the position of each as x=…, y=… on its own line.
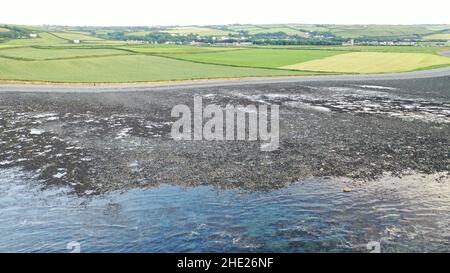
x=275, y=34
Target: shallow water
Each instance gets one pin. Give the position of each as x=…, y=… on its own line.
x=409, y=214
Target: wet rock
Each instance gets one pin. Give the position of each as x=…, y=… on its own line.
x=346, y=189
x=114, y=141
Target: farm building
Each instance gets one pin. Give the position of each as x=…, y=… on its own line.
x=76, y=41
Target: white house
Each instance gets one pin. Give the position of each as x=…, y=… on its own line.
x=76, y=41
x=351, y=42
x=33, y=35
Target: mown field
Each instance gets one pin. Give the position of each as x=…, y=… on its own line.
x=130, y=68
x=373, y=62
x=53, y=57
x=273, y=58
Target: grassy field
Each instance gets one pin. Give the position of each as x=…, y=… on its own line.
x=202, y=31
x=3, y=46
x=53, y=57
x=48, y=54
x=2, y=29
x=356, y=31
x=251, y=29
x=373, y=62
x=316, y=28
x=259, y=57
x=138, y=33
x=44, y=38
x=437, y=27
x=387, y=49
x=176, y=49
x=50, y=39
x=132, y=68
x=70, y=36
x=443, y=36
x=289, y=31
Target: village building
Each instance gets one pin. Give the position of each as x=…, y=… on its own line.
x=351, y=42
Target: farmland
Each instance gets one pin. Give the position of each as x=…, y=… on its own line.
x=443, y=36
x=371, y=62
x=60, y=53
x=202, y=31
x=52, y=56
x=176, y=49
x=377, y=31
x=137, y=33
x=259, y=57
x=44, y=38
x=75, y=36
x=268, y=29
x=131, y=68
x=344, y=31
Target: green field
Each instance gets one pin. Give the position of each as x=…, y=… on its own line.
x=358, y=31
x=4, y=46
x=249, y=28
x=2, y=29
x=75, y=36
x=377, y=30
x=259, y=57
x=437, y=27
x=60, y=53
x=373, y=62
x=387, y=49
x=267, y=29
x=138, y=33
x=132, y=68
x=443, y=36
x=44, y=38
x=316, y=28
x=53, y=57
x=202, y=31
x=286, y=30
x=176, y=49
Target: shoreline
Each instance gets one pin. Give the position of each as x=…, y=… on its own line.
x=17, y=86
x=95, y=142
